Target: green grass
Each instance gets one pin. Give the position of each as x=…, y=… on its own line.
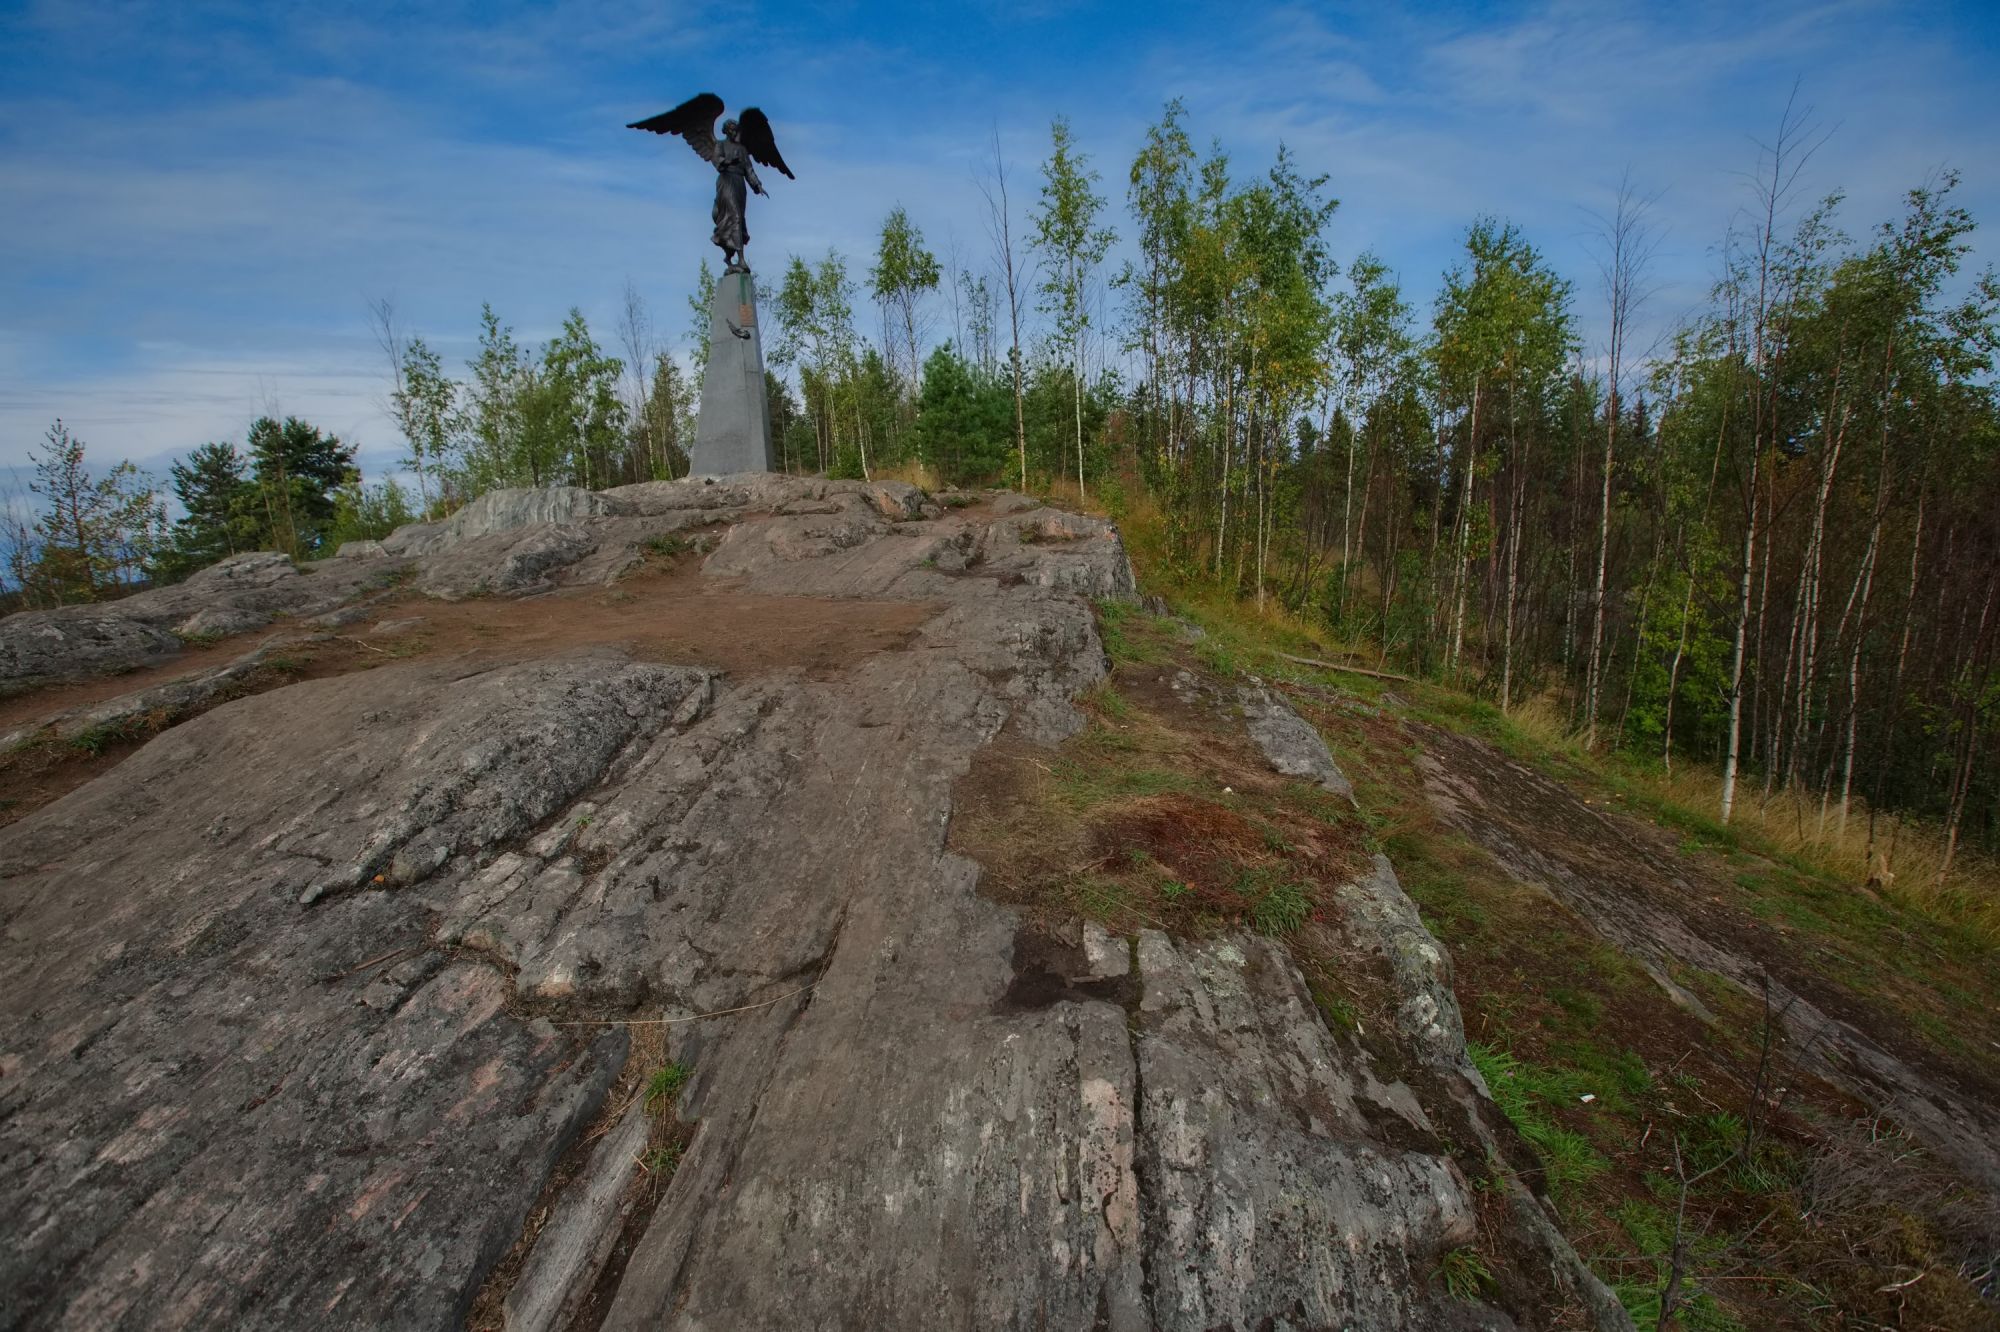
x=665, y=1085
x=1651, y=1228
x=93, y=741
x=1116, y=623
x=1526, y=1093
x=1108, y=702
x=1464, y=1273
x=1279, y=906
x=1082, y=785
x=1449, y=904
x=1340, y=1014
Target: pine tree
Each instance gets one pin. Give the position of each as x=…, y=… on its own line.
x=94, y=534
x=219, y=512
x=296, y=471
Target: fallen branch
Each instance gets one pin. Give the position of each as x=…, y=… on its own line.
x=1351, y=670
x=359, y=967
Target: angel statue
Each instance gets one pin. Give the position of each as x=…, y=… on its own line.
x=743, y=141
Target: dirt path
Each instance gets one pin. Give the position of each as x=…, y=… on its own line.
x=666, y=612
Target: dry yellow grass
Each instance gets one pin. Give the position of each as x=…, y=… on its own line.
x=1902, y=861
x=1898, y=857
x=921, y=475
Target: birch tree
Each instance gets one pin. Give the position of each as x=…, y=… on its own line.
x=1072, y=244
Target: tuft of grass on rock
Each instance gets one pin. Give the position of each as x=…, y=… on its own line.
x=1464, y=1273
x=665, y=1085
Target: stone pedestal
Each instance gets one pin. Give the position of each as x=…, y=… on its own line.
x=734, y=433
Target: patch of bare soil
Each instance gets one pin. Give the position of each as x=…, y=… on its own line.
x=665, y=612
x=44, y=770
x=48, y=700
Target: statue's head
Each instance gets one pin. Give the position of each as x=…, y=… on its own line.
x=729, y=129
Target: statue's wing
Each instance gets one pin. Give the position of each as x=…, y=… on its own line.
x=757, y=138
x=693, y=120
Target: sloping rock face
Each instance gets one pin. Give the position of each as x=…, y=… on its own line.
x=240, y=593
x=1625, y=881
x=302, y=1004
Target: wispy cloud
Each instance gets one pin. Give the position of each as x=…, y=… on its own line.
x=201, y=199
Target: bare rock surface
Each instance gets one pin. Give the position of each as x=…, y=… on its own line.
x=302, y=1003
x=76, y=641
x=242, y=592
x=1293, y=747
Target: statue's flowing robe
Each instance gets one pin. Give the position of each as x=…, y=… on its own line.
x=732, y=165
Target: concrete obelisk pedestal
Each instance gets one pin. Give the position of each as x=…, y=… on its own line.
x=734, y=432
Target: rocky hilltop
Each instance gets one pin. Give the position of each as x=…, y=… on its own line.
x=576, y=938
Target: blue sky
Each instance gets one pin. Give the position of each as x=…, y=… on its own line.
x=198, y=200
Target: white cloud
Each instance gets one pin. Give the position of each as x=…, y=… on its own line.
x=168, y=263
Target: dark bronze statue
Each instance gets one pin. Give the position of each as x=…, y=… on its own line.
x=743, y=141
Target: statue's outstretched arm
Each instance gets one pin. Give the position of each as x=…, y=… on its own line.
x=750, y=171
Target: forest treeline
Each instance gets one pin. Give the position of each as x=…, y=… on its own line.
x=1768, y=542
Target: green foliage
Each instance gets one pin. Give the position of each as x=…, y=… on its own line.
x=219, y=513
x=368, y=513
x=426, y=403
x=557, y=420
x=1072, y=243
x=848, y=394
x=965, y=419
x=1526, y=1094
x=296, y=474
x=904, y=270
x=665, y=1085
x=1278, y=905
x=93, y=534
x=1464, y=1273
x=701, y=307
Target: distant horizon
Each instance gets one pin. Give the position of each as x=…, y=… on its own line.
x=203, y=202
